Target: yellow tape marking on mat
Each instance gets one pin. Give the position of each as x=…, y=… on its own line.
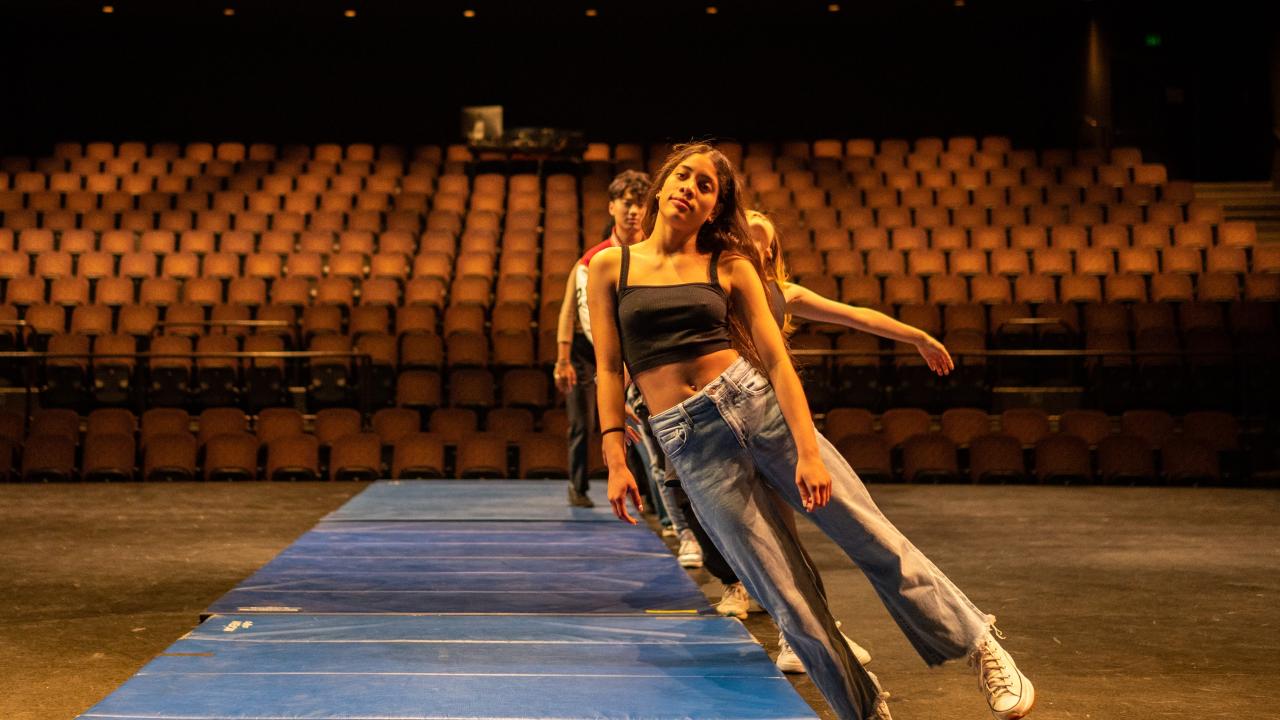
x=672, y=612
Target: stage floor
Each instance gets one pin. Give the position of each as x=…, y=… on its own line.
x=1118, y=602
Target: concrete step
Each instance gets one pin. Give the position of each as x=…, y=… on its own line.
x=1256, y=201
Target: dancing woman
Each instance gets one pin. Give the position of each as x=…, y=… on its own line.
x=686, y=309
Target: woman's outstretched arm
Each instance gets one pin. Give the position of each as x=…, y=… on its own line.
x=602, y=283
x=805, y=303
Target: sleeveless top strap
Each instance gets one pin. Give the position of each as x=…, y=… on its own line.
x=626, y=265
x=713, y=274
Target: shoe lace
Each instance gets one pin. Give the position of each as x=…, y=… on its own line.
x=737, y=591
x=994, y=673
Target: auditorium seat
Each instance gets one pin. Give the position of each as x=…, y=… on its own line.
x=418, y=456
x=170, y=457
x=1126, y=459
x=929, y=457
x=868, y=455
x=1062, y=459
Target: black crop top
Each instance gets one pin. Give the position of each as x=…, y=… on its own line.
x=663, y=324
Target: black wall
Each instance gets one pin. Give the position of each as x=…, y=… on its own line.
x=300, y=71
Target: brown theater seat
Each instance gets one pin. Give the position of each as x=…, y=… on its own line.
x=929, y=457
x=221, y=421
x=333, y=424
x=1190, y=462
x=170, y=456
x=482, y=455
x=1062, y=458
x=901, y=423
x=109, y=456
x=962, y=425
x=48, y=458
x=996, y=457
x=231, y=456
x=868, y=455
x=419, y=455
x=847, y=421
x=1092, y=426
x=59, y=423
x=1125, y=459
x=509, y=423
x=543, y=455
x=1028, y=425
x=278, y=422
x=356, y=456
x=419, y=389
x=293, y=457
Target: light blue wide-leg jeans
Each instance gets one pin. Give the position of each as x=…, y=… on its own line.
x=726, y=443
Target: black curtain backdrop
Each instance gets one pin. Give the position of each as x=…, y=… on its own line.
x=1200, y=100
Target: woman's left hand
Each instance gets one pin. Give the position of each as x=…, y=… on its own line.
x=814, y=483
x=935, y=355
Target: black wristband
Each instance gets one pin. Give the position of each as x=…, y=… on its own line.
x=612, y=429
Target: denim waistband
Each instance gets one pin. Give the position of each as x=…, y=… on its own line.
x=703, y=403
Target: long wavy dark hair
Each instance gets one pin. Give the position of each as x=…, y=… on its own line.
x=728, y=231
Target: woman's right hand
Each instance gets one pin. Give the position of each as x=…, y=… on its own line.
x=814, y=483
x=621, y=486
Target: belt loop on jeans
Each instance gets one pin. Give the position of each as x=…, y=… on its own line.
x=685, y=414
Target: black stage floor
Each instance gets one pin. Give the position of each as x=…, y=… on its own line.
x=1118, y=602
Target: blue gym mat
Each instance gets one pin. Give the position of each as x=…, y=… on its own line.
x=464, y=567
x=430, y=667
x=517, y=500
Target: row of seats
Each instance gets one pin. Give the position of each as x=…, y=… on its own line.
x=235, y=152
x=353, y=265
x=310, y=188
x=226, y=444
x=1002, y=322
x=85, y=372
x=1140, y=446
x=516, y=318
x=988, y=289
x=222, y=445
x=890, y=284
x=1120, y=459
x=529, y=239
x=1142, y=184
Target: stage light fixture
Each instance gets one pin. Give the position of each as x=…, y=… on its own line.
x=712, y=9
x=833, y=8
x=468, y=13
x=229, y=11
x=349, y=13
x=591, y=12
x=108, y=9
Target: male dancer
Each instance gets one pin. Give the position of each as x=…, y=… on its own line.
x=575, y=370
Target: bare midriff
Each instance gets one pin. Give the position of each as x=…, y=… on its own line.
x=666, y=386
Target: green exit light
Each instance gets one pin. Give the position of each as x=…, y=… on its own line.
x=1154, y=40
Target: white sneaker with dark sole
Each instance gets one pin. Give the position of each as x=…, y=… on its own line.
x=690, y=552
x=1009, y=693
x=735, y=602
x=789, y=662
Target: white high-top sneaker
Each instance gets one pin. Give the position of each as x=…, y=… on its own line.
x=789, y=662
x=690, y=552
x=734, y=602
x=1009, y=693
